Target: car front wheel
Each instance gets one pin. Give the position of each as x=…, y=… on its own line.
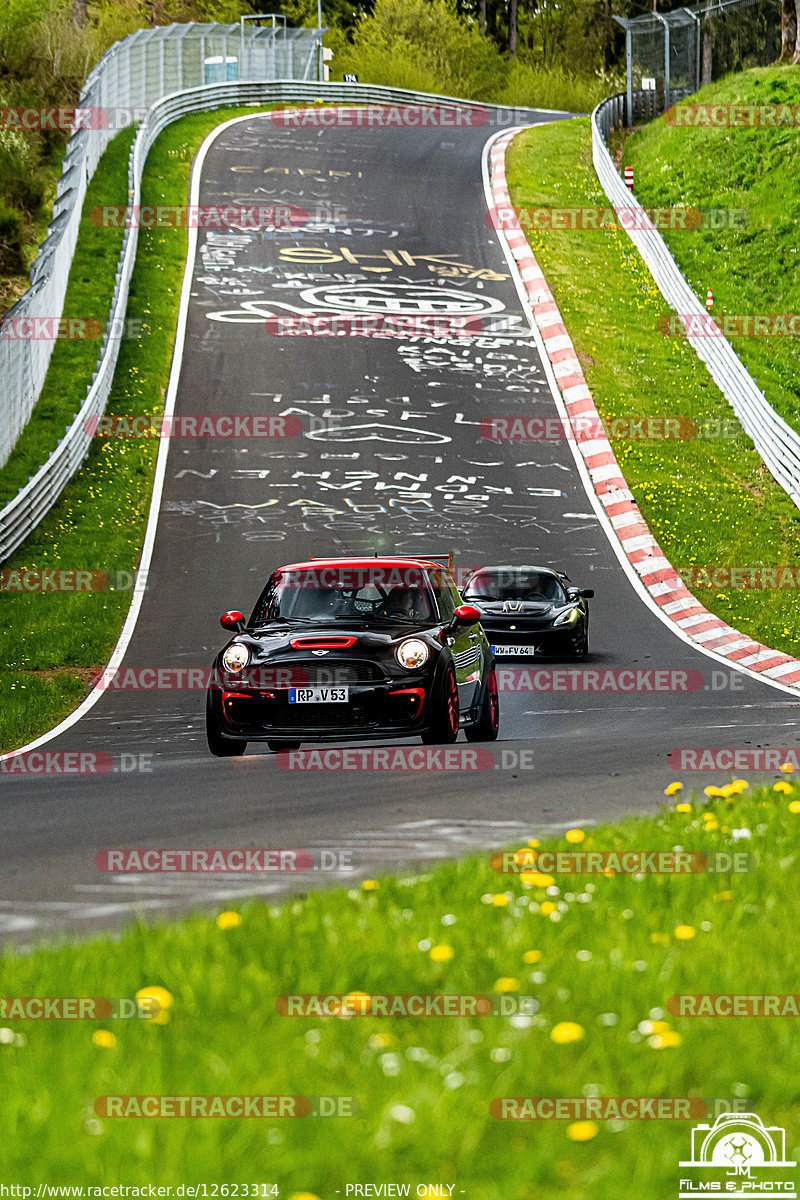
x=487, y=726
x=219, y=746
x=443, y=728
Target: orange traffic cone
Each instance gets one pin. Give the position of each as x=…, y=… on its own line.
x=709, y=300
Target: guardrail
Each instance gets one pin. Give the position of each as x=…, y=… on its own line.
x=133, y=74
x=22, y=514
x=775, y=440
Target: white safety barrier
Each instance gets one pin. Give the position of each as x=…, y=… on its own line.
x=775, y=440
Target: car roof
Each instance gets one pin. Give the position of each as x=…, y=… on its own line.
x=519, y=567
x=315, y=563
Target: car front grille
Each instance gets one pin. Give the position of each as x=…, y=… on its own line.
x=317, y=672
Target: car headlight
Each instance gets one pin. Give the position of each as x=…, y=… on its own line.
x=568, y=618
x=412, y=654
x=236, y=657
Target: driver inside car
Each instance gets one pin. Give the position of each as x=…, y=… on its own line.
x=405, y=602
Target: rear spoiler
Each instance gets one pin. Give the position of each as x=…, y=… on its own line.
x=443, y=560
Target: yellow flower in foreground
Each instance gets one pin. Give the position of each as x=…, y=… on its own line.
x=379, y=1040
x=794, y=807
x=104, y=1039
x=782, y=786
x=713, y=823
x=662, y=1041
x=683, y=808
x=533, y=842
x=531, y=956
x=575, y=835
x=741, y=785
x=370, y=885
x=673, y=788
x=684, y=932
x=787, y=767
x=713, y=791
x=303, y=1196
x=228, y=920
x=506, y=983
x=500, y=900
x=442, y=953
x=536, y=879
x=158, y=1001
x=547, y=908
x=581, y=1131
x=566, y=1032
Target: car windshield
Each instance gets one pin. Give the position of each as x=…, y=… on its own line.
x=313, y=597
x=514, y=583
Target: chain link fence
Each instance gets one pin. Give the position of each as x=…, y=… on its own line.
x=131, y=76
x=671, y=55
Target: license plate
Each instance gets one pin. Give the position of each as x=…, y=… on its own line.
x=319, y=695
x=511, y=651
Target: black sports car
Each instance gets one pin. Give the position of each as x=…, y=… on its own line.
x=531, y=612
x=353, y=648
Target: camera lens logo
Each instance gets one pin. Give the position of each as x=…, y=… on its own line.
x=738, y=1146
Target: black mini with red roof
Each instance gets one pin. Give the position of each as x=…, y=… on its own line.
x=353, y=648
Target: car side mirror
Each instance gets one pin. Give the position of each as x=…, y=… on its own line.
x=465, y=614
x=233, y=621
x=587, y=593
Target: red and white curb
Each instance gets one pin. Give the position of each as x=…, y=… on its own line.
x=640, y=547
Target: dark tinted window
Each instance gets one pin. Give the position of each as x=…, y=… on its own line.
x=361, y=595
x=515, y=583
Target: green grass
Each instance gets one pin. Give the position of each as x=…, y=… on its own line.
x=706, y=501
x=750, y=270
x=88, y=298
x=609, y=959
x=48, y=644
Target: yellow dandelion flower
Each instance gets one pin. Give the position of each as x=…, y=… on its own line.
x=783, y=787
x=575, y=835
x=533, y=842
x=794, y=807
x=304, y=1196
x=228, y=920
x=581, y=1131
x=566, y=1032
x=104, y=1039
x=370, y=885
x=379, y=1040
x=547, y=908
x=683, y=808
x=532, y=956
x=506, y=983
x=499, y=899
x=712, y=791
x=787, y=767
x=536, y=879
x=662, y=1041
x=157, y=1001
x=684, y=932
x=673, y=788
x=442, y=953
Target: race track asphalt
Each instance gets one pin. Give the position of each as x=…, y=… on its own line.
x=390, y=459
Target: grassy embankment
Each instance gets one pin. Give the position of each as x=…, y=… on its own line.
x=709, y=501
x=601, y=955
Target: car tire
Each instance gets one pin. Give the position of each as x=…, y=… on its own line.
x=219, y=746
x=443, y=728
x=487, y=726
x=276, y=746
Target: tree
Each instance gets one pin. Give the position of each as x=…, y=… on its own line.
x=79, y=13
x=789, y=30
x=512, y=30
